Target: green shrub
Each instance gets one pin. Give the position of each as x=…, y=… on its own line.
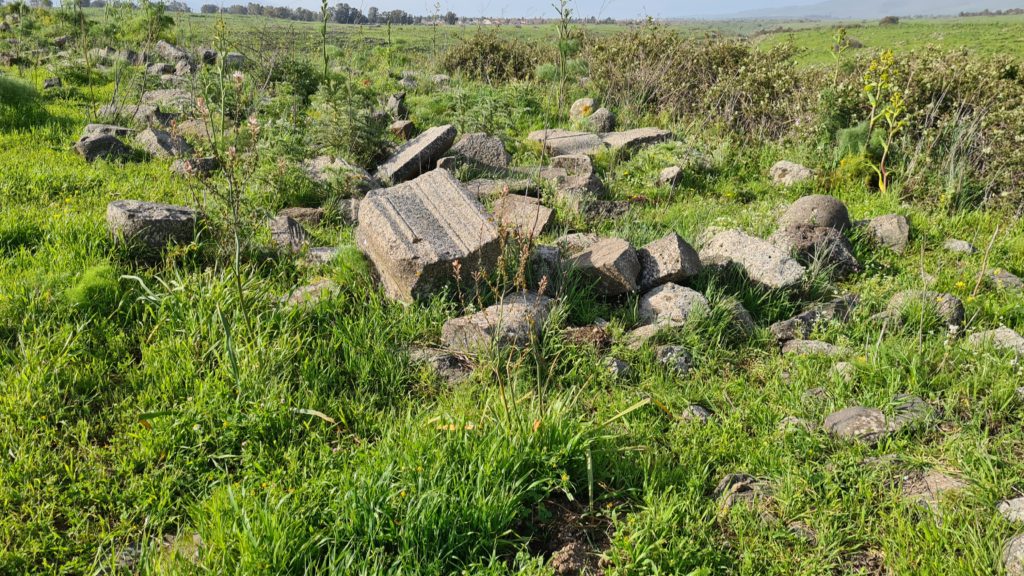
x=342, y=120
x=490, y=57
x=301, y=77
x=96, y=290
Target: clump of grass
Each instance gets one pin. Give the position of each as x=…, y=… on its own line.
x=96, y=290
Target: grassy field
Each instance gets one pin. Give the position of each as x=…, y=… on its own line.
x=153, y=422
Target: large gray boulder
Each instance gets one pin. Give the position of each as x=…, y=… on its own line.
x=611, y=265
x=482, y=151
x=419, y=233
x=417, y=155
x=95, y=146
x=602, y=120
x=667, y=259
x=151, y=225
x=672, y=305
x=816, y=210
x=890, y=230
x=820, y=246
x=514, y=322
x=162, y=144
x=762, y=261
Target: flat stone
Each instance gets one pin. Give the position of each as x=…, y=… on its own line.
x=930, y=487
x=525, y=216
x=150, y=224
x=810, y=348
x=668, y=259
x=514, y=322
x=630, y=140
x=482, y=151
x=287, y=234
x=1013, y=509
x=762, y=261
x=946, y=307
x=1001, y=338
x=611, y=264
x=959, y=246
x=803, y=324
x=302, y=215
x=816, y=210
x=617, y=368
x=867, y=425
x=107, y=130
x=890, y=230
x=417, y=155
x=1013, y=556
x=676, y=358
x=195, y=167
x=141, y=114
x=451, y=367
x=558, y=142
x=1001, y=279
x=576, y=243
x=99, y=146
x=672, y=305
x=785, y=173
x=320, y=255
x=162, y=144
x=416, y=232
x=312, y=294
x=173, y=98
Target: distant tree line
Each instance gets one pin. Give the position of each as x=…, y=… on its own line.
x=340, y=14
x=1009, y=12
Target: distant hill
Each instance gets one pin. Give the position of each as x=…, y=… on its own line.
x=871, y=9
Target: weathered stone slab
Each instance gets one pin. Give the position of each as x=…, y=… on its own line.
x=415, y=232
x=514, y=322
x=150, y=224
x=482, y=151
x=762, y=261
x=172, y=98
x=634, y=139
x=162, y=144
x=327, y=170
x=483, y=188
x=106, y=129
x=611, y=264
x=668, y=259
x=858, y=423
x=417, y=155
x=785, y=173
x=801, y=325
x=525, y=216
x=558, y=142
x=96, y=146
x=810, y=348
x=1001, y=338
x=672, y=305
x=576, y=183
x=288, y=234
x=576, y=243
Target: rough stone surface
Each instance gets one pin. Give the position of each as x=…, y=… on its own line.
x=512, y=323
x=801, y=325
x=483, y=188
x=172, y=98
x=610, y=264
x=320, y=255
x=668, y=259
x=696, y=413
x=1002, y=338
x=98, y=146
x=670, y=176
x=151, y=225
x=617, y=368
x=141, y=114
x=581, y=108
x=195, y=167
x=816, y=210
x=959, y=246
x=742, y=319
x=576, y=183
x=448, y=366
x=676, y=358
x=417, y=155
x=810, y=348
x=947, y=308
x=890, y=230
x=672, y=305
x=415, y=232
x=106, y=129
x=483, y=151
x=820, y=246
x=785, y=173
x=545, y=267
x=288, y=234
x=762, y=261
x=159, y=69
x=525, y=216
x=602, y=120
x=1013, y=509
x=1013, y=556
x=348, y=211
x=630, y=140
x=404, y=129
x=395, y=106
x=559, y=142
x=302, y=215
x=576, y=243
x=1001, y=279
x=930, y=487
x=858, y=423
x=170, y=52
x=162, y=144
x=312, y=294
x=52, y=83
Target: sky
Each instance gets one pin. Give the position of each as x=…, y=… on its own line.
x=637, y=9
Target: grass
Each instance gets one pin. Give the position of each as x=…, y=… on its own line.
x=141, y=405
